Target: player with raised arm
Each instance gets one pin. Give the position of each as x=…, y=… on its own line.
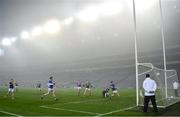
x=51, y=85
x=11, y=89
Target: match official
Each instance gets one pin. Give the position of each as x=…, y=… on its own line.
x=149, y=87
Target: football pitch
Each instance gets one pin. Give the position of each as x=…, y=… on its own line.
x=28, y=102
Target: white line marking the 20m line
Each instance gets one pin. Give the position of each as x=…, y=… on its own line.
x=77, y=102
x=78, y=111
x=12, y=114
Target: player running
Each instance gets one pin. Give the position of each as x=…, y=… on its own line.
x=51, y=85
x=114, y=89
x=87, y=88
x=11, y=89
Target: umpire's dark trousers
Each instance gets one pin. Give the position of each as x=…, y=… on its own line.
x=176, y=93
x=146, y=102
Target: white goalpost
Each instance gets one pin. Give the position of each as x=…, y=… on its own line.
x=163, y=77
x=165, y=95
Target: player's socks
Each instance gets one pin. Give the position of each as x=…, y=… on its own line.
x=55, y=99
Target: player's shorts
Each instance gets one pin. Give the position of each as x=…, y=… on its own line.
x=106, y=94
x=79, y=88
x=50, y=89
x=11, y=90
x=88, y=89
x=115, y=91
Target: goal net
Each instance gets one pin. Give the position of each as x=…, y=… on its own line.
x=166, y=95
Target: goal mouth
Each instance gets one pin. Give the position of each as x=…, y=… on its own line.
x=166, y=95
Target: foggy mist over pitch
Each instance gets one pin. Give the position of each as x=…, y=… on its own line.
x=100, y=50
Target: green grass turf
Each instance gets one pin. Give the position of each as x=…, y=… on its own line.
x=27, y=103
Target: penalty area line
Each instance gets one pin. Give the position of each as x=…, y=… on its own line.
x=70, y=110
x=12, y=114
x=124, y=109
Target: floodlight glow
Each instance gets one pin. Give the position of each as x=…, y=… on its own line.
x=52, y=26
x=69, y=21
x=37, y=31
x=110, y=8
x=6, y=42
x=25, y=35
x=89, y=15
x=13, y=39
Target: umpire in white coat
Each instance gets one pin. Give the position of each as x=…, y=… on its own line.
x=149, y=87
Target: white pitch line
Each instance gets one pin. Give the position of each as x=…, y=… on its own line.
x=124, y=109
x=70, y=110
x=12, y=114
x=77, y=102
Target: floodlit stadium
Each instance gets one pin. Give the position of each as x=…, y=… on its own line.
x=89, y=57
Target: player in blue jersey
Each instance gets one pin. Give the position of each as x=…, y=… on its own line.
x=79, y=87
x=11, y=89
x=51, y=85
x=114, y=89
